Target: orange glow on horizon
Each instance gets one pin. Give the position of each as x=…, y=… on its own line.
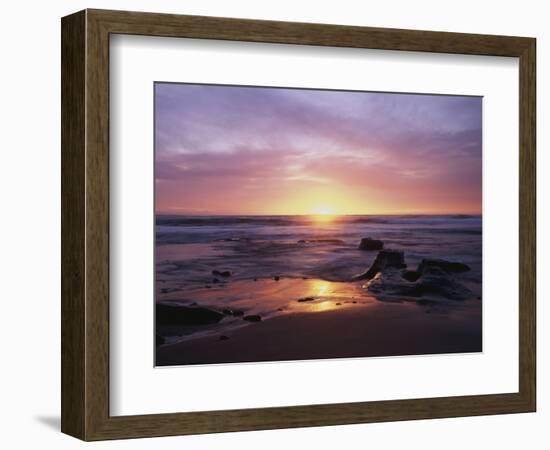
x=323, y=202
x=323, y=215
x=261, y=151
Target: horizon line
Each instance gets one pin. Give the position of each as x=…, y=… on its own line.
x=317, y=214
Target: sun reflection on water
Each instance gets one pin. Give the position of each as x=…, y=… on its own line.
x=321, y=219
x=322, y=215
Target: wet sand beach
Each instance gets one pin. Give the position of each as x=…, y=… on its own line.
x=327, y=330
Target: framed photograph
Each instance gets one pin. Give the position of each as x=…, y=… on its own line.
x=271, y=224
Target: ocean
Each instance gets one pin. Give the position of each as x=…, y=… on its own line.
x=308, y=246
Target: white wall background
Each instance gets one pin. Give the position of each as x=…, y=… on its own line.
x=30, y=223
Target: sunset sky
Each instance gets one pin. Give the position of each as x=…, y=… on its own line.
x=248, y=150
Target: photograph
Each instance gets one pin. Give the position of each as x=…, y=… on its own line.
x=275, y=226
x=299, y=224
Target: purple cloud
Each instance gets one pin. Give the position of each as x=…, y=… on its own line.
x=251, y=145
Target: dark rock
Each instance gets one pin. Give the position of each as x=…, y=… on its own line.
x=436, y=285
x=440, y=285
x=388, y=283
x=423, y=302
x=306, y=299
x=391, y=258
x=253, y=318
x=223, y=337
x=184, y=315
x=224, y=273
x=370, y=244
x=338, y=304
x=384, y=260
x=276, y=277
x=159, y=340
x=237, y=313
x=447, y=266
x=411, y=275
x=227, y=312
x=215, y=280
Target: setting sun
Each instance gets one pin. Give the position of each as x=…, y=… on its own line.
x=323, y=211
x=323, y=215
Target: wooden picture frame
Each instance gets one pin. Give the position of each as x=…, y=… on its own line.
x=85, y=224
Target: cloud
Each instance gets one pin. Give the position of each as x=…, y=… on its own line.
x=268, y=140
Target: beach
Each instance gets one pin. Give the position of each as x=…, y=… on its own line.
x=278, y=288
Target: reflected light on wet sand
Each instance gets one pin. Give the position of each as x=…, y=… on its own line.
x=321, y=287
x=328, y=296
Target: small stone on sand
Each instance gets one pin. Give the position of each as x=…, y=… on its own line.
x=253, y=318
